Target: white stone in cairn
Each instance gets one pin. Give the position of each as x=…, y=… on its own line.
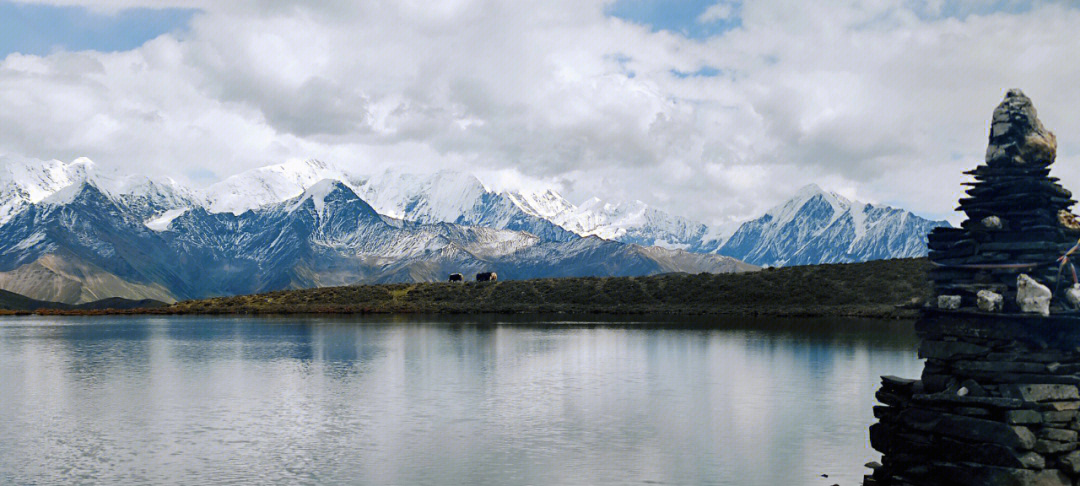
x=1072, y=295
x=990, y=301
x=1032, y=296
x=948, y=302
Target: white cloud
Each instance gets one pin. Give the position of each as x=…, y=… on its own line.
x=716, y=13
x=877, y=98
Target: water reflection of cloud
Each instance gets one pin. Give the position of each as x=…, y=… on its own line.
x=466, y=400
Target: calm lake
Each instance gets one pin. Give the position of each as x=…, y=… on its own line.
x=442, y=400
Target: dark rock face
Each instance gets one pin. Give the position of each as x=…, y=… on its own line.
x=999, y=395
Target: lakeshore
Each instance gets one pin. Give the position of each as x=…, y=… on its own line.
x=880, y=289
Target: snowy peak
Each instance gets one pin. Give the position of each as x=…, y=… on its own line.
x=327, y=198
x=260, y=187
x=546, y=204
x=29, y=181
x=162, y=190
x=631, y=222
x=453, y=197
x=153, y=199
x=810, y=194
x=816, y=226
x=445, y=196
x=70, y=194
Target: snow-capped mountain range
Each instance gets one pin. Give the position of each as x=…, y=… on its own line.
x=29, y=181
x=461, y=198
x=632, y=222
x=72, y=232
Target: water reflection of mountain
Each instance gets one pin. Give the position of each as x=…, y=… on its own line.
x=413, y=399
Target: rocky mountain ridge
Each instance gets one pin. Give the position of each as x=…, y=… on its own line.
x=82, y=244
x=816, y=226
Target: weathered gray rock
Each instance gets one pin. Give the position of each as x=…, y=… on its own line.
x=1031, y=460
x=1060, y=435
x=973, y=388
x=948, y=302
x=989, y=301
x=951, y=450
x=1043, y=446
x=1062, y=417
x=1046, y=392
x=895, y=382
x=1023, y=417
x=972, y=412
x=1032, y=297
x=1060, y=406
x=1071, y=461
x=950, y=349
x=1072, y=295
x=1017, y=135
x=999, y=366
x=945, y=398
x=979, y=430
x=979, y=475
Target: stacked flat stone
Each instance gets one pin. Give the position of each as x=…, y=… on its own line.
x=1016, y=214
x=997, y=405
x=998, y=398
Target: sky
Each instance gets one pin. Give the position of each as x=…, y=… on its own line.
x=713, y=110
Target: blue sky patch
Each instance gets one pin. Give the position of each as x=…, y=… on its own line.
x=704, y=72
x=680, y=16
x=41, y=29
x=961, y=10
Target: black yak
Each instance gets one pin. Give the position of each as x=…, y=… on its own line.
x=487, y=277
x=456, y=277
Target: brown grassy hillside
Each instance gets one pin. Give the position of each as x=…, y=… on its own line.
x=880, y=288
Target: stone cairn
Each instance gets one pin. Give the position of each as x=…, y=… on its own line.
x=998, y=399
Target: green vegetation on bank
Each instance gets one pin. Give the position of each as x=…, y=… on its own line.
x=887, y=288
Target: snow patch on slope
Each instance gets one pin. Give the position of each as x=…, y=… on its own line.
x=858, y=217
x=162, y=222
x=33, y=239
x=317, y=194
x=64, y=196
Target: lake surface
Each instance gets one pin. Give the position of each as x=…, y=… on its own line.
x=438, y=400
